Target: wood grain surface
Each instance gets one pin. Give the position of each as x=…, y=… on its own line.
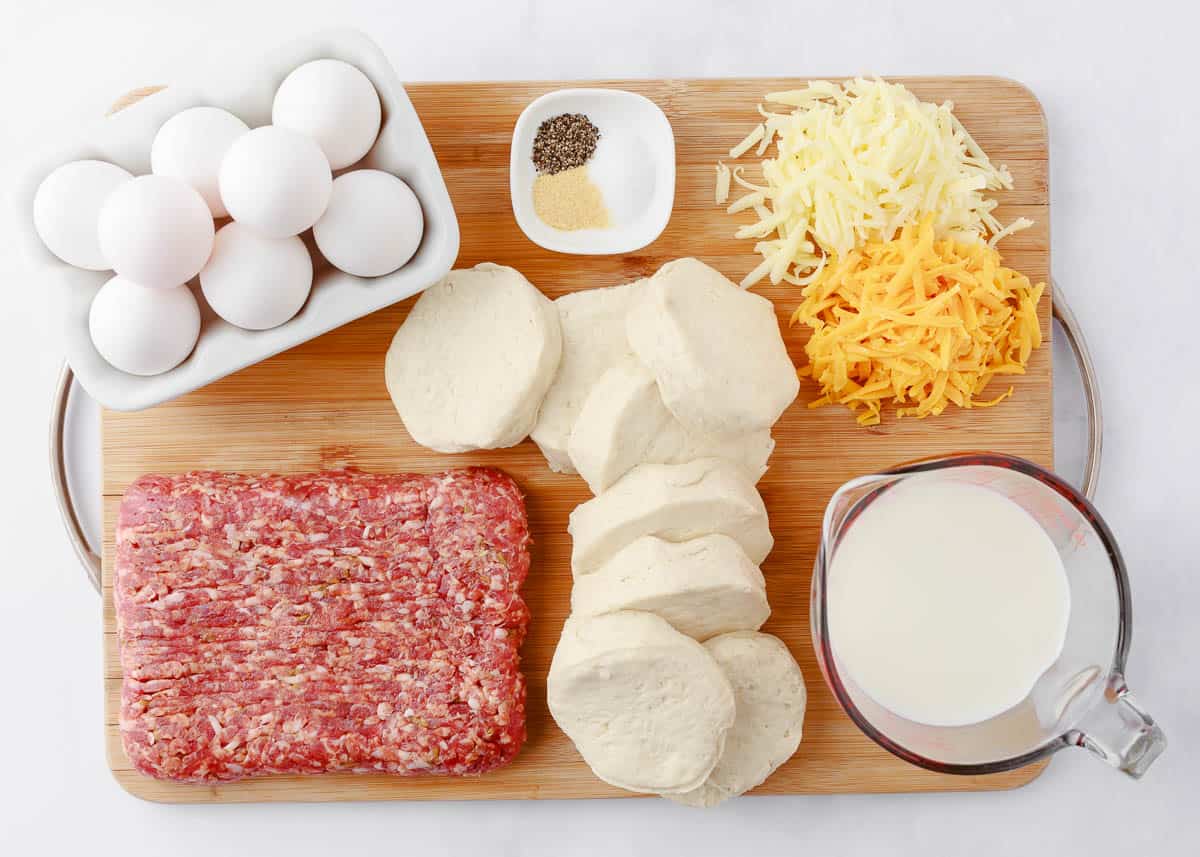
x=324, y=405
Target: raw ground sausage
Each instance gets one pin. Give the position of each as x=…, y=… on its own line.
x=337, y=621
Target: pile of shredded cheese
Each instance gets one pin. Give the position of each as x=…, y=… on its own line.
x=856, y=163
x=919, y=320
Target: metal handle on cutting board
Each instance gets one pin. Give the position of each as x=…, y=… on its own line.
x=62, y=489
x=1091, y=389
x=91, y=562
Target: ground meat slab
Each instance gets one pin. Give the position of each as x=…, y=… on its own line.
x=336, y=621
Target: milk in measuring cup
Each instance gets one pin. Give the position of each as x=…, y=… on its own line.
x=946, y=602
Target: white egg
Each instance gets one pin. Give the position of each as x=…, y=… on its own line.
x=373, y=224
x=191, y=145
x=66, y=209
x=275, y=181
x=256, y=282
x=141, y=330
x=335, y=104
x=156, y=230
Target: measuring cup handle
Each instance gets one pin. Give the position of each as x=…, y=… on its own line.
x=1120, y=732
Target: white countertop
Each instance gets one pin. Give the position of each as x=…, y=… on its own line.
x=1119, y=93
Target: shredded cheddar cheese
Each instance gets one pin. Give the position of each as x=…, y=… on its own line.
x=855, y=163
x=919, y=320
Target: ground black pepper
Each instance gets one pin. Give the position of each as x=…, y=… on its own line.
x=564, y=142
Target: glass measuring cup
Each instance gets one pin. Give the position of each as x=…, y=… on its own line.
x=1081, y=701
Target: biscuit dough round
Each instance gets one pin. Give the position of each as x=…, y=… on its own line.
x=469, y=366
x=771, y=699
x=675, y=502
x=624, y=423
x=593, y=339
x=715, y=350
x=702, y=587
x=646, y=707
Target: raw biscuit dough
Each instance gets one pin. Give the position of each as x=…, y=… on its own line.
x=593, y=339
x=771, y=700
x=703, y=587
x=469, y=366
x=646, y=707
x=715, y=350
x=675, y=502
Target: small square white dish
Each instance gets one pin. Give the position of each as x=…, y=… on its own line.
x=619, y=115
x=247, y=89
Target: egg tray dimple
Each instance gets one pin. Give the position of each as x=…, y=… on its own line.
x=336, y=299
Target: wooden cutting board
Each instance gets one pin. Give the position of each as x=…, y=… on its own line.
x=324, y=405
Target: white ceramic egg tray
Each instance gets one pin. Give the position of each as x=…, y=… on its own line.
x=337, y=298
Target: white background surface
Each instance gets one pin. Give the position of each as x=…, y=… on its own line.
x=1117, y=83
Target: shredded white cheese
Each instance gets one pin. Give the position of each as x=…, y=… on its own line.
x=855, y=163
x=751, y=138
x=723, y=178
x=1016, y=226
